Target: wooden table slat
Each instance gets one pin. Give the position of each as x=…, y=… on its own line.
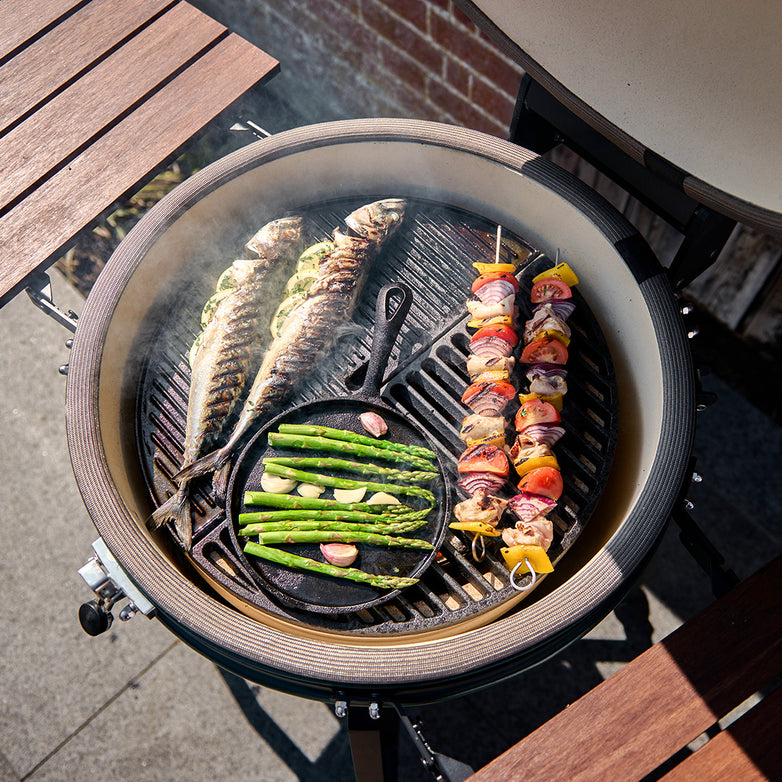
x=80, y=39
x=46, y=219
x=63, y=125
x=20, y=20
x=749, y=749
x=642, y=715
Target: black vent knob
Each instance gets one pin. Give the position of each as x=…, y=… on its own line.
x=94, y=618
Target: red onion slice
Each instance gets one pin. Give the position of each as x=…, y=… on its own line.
x=527, y=506
x=561, y=308
x=543, y=434
x=491, y=346
x=546, y=370
x=473, y=482
x=494, y=291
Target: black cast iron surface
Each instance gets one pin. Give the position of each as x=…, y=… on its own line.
x=432, y=254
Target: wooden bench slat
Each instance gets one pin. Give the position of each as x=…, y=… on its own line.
x=62, y=125
x=29, y=78
x=639, y=717
x=749, y=749
x=51, y=215
x=20, y=20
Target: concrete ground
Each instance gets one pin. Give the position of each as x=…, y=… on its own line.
x=136, y=704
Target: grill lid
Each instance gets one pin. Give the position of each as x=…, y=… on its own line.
x=695, y=82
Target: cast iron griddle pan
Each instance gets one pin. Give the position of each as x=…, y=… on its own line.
x=314, y=591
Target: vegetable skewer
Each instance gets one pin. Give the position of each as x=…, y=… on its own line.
x=282, y=557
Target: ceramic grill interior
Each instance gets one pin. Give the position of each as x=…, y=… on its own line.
x=433, y=254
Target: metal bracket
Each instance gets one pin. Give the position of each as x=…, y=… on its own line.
x=441, y=767
x=705, y=554
x=39, y=290
x=103, y=575
x=249, y=126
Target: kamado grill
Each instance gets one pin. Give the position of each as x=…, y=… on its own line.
x=630, y=409
x=628, y=422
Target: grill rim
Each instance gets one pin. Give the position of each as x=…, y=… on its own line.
x=248, y=646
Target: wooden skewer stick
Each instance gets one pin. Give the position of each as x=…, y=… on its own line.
x=497, y=251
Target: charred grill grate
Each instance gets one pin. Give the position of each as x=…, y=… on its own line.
x=433, y=254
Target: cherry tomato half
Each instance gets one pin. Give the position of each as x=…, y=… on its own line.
x=546, y=350
x=545, y=481
x=549, y=288
x=536, y=411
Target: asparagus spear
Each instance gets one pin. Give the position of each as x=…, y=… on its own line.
x=347, y=483
x=281, y=537
x=314, y=503
x=282, y=557
x=291, y=440
x=339, y=526
x=330, y=515
x=354, y=437
x=364, y=468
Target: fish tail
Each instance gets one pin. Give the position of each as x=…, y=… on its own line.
x=220, y=480
x=203, y=466
x=177, y=510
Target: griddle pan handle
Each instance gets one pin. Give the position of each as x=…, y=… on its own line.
x=388, y=322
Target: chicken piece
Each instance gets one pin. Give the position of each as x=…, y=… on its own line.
x=538, y=532
x=481, y=507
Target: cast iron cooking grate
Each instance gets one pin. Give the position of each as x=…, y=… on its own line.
x=433, y=254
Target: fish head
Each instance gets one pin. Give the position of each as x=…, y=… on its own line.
x=377, y=221
x=277, y=236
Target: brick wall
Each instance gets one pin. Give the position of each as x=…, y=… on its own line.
x=355, y=58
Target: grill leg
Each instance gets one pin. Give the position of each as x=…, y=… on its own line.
x=374, y=744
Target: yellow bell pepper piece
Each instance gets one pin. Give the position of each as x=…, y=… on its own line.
x=485, y=268
x=562, y=272
x=498, y=441
x=536, y=461
x=554, y=333
x=535, y=554
x=497, y=320
x=554, y=399
x=476, y=526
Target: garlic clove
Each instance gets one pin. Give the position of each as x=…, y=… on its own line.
x=381, y=498
x=276, y=484
x=373, y=423
x=340, y=554
x=350, y=495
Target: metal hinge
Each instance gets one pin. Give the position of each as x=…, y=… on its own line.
x=106, y=578
x=39, y=290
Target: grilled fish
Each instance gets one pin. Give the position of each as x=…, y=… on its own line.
x=228, y=353
x=309, y=330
